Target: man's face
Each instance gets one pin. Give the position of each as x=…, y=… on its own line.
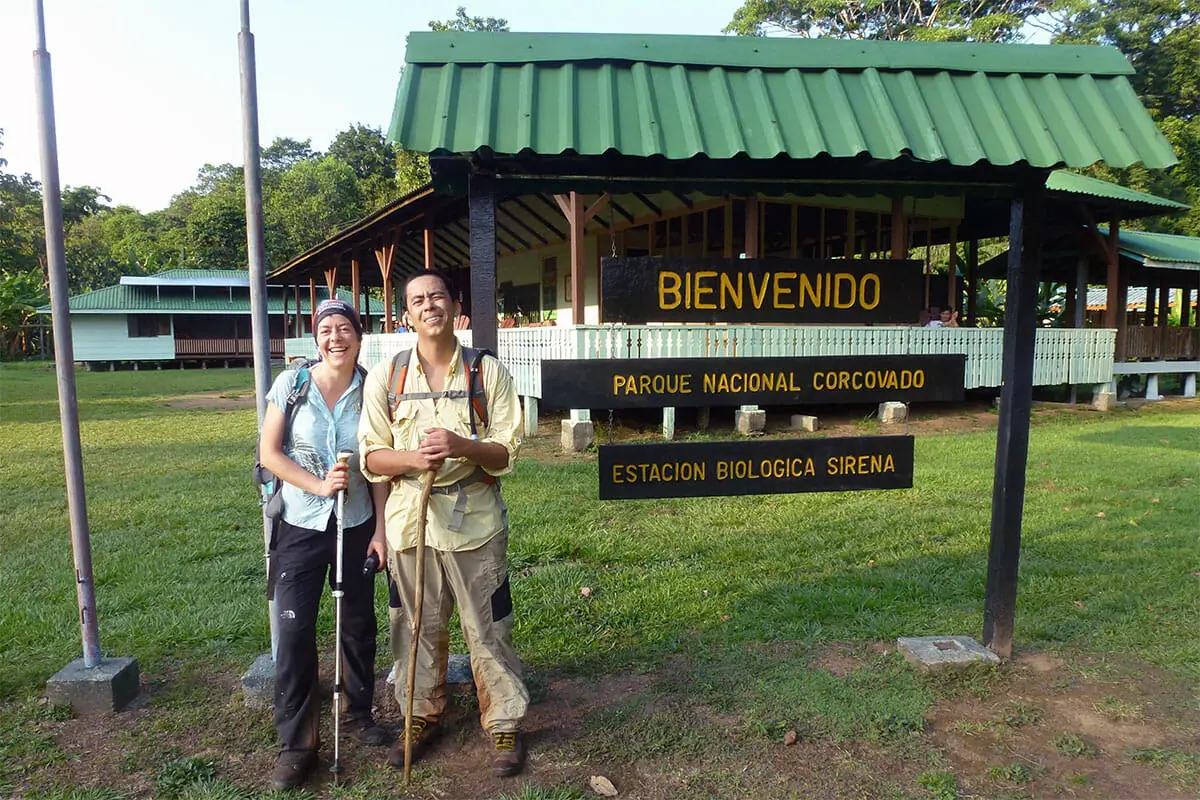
x=945, y=315
x=431, y=310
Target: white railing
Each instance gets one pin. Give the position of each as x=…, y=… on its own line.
x=1061, y=355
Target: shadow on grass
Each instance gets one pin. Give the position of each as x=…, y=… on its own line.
x=1162, y=437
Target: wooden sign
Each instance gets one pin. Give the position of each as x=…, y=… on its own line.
x=783, y=466
x=809, y=291
x=697, y=382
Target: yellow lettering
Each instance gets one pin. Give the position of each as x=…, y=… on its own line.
x=668, y=285
x=618, y=382
x=840, y=300
x=757, y=297
x=616, y=475
x=780, y=290
x=710, y=383
x=702, y=290
x=870, y=279
x=888, y=464
x=813, y=292
x=727, y=290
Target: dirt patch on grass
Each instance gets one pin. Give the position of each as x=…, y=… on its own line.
x=1073, y=730
x=213, y=401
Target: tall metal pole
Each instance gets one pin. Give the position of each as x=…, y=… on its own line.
x=256, y=255
x=64, y=351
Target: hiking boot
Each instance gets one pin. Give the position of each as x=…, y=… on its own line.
x=510, y=753
x=366, y=731
x=292, y=768
x=423, y=733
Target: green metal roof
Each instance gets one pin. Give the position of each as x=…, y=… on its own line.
x=1159, y=250
x=193, y=274
x=721, y=97
x=1074, y=183
x=122, y=299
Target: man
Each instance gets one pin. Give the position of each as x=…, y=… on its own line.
x=426, y=425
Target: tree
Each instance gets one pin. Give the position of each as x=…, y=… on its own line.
x=284, y=153
x=314, y=199
x=926, y=20
x=463, y=22
x=1162, y=40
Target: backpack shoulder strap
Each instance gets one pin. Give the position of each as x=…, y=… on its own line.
x=397, y=375
x=476, y=388
x=298, y=395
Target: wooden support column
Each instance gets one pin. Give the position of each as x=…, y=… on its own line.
x=312, y=300
x=972, y=279
x=384, y=256
x=752, y=215
x=728, y=244
x=578, y=217
x=429, y=243
x=299, y=316
x=1016, y=399
x=330, y=282
x=1112, y=281
x=1148, y=309
x=851, y=247
x=285, y=308
x=899, y=230
x=794, y=236
x=1164, y=316
x=952, y=299
x=481, y=202
x=1122, y=310
x=355, y=284
x=1185, y=305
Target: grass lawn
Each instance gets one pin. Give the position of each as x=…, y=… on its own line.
x=712, y=632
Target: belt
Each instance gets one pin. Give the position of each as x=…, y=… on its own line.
x=459, y=488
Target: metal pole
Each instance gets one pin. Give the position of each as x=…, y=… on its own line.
x=64, y=351
x=256, y=256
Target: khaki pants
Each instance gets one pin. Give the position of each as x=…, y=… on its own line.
x=477, y=580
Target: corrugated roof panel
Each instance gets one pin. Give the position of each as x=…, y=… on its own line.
x=134, y=299
x=1074, y=183
x=1038, y=106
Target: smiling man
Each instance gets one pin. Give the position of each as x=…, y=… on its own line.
x=441, y=408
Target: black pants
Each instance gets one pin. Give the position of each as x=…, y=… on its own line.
x=301, y=561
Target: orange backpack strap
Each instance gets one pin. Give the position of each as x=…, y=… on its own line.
x=397, y=374
x=476, y=389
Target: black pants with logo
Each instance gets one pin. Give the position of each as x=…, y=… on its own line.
x=303, y=562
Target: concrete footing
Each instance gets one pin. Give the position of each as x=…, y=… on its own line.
x=805, y=422
x=531, y=416
x=668, y=423
x=891, y=413
x=258, y=683
x=1104, y=399
x=109, y=686
x=577, y=435
x=1152, y=392
x=940, y=652
x=1189, y=385
x=749, y=420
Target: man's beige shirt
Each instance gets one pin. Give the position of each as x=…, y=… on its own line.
x=485, y=515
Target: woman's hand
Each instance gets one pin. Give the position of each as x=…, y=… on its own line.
x=337, y=479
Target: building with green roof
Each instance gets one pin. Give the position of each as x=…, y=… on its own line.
x=182, y=315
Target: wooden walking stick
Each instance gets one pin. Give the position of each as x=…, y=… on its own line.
x=418, y=609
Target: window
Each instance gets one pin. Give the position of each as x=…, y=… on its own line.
x=143, y=325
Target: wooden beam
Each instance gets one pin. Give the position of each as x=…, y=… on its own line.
x=522, y=223
x=682, y=198
x=752, y=227
x=1016, y=400
x=899, y=249
x=429, y=248
x=1148, y=309
x=299, y=317
x=481, y=204
x=355, y=284
x=533, y=213
x=385, y=256
x=577, y=221
x=821, y=235
x=312, y=300
x=595, y=207
x=648, y=203
x=1164, y=315
x=851, y=233
x=564, y=205
x=331, y=282
x=972, y=279
x=512, y=234
x=683, y=235
x=952, y=277
x=728, y=248
x=1111, y=313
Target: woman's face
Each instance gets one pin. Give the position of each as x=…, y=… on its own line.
x=337, y=341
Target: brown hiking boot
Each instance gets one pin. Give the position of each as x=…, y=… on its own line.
x=510, y=753
x=366, y=731
x=292, y=768
x=423, y=733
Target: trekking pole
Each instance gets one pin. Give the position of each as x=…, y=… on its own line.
x=418, y=608
x=343, y=457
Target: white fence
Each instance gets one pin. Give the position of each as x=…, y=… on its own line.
x=1061, y=355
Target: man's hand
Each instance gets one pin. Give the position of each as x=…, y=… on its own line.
x=378, y=546
x=336, y=479
x=440, y=444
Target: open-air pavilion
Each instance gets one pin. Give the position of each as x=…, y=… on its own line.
x=550, y=151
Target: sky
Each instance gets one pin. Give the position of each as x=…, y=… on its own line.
x=147, y=91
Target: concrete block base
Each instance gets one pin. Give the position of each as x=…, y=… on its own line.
x=531, y=416
x=258, y=683
x=577, y=436
x=1104, y=401
x=1189, y=385
x=939, y=652
x=747, y=422
x=891, y=413
x=109, y=686
x=805, y=422
x=1152, y=388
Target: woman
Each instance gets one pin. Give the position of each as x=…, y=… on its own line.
x=325, y=421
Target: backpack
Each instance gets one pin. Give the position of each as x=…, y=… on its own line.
x=270, y=496
x=476, y=393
